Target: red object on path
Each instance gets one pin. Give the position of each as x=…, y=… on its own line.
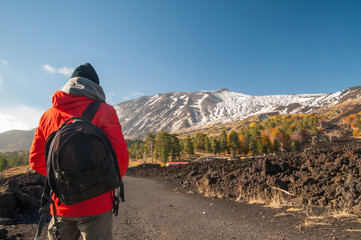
x=175, y=163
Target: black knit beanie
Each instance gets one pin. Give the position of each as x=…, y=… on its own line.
x=86, y=71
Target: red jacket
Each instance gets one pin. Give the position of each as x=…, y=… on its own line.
x=64, y=107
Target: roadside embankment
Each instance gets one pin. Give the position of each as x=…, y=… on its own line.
x=329, y=177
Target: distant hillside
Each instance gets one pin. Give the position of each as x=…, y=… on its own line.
x=16, y=140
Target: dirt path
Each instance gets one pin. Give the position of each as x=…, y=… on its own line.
x=154, y=211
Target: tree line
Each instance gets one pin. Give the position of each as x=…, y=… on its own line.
x=13, y=159
x=278, y=133
x=161, y=146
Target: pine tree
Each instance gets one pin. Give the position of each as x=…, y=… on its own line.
x=150, y=144
x=223, y=142
x=175, y=147
x=253, y=146
x=207, y=144
x=234, y=143
x=188, y=146
x=276, y=146
x=199, y=142
x=214, y=145
x=260, y=147
x=162, y=146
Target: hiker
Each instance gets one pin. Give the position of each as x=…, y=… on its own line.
x=92, y=218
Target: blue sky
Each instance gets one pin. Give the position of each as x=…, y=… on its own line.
x=256, y=47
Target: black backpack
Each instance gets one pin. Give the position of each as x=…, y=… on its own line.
x=80, y=163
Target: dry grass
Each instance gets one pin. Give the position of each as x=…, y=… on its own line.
x=253, y=197
x=241, y=194
x=204, y=187
x=327, y=216
x=257, y=199
x=293, y=209
x=342, y=213
x=15, y=171
x=277, y=200
x=137, y=162
x=282, y=214
x=313, y=219
x=353, y=230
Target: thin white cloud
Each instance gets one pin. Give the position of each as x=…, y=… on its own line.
x=48, y=68
x=133, y=95
x=137, y=94
x=20, y=117
x=4, y=61
x=23, y=80
x=109, y=97
x=64, y=70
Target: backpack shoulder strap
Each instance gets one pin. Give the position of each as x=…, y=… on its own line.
x=91, y=110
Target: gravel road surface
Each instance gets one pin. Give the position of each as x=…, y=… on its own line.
x=154, y=211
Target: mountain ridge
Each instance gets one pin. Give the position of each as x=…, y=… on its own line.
x=174, y=111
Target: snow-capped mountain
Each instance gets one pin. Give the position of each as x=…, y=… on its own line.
x=174, y=111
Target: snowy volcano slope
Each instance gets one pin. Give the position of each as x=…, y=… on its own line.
x=174, y=111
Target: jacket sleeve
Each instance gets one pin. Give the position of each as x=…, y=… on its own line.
x=37, y=153
x=113, y=130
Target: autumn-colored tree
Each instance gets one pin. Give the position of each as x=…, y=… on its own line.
x=355, y=133
x=278, y=135
x=300, y=135
x=347, y=121
x=244, y=144
x=266, y=143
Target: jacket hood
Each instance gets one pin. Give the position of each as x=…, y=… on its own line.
x=83, y=87
x=76, y=92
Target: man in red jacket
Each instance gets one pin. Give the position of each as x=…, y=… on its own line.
x=92, y=219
